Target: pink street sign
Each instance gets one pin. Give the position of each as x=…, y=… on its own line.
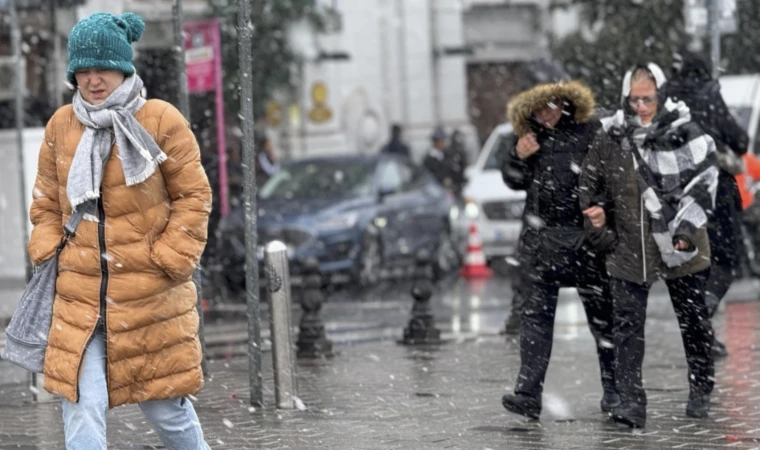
x=203, y=63
x=201, y=40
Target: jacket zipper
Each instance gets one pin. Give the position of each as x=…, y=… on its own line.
x=103, y=278
x=103, y=290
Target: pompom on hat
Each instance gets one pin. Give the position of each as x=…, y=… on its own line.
x=104, y=41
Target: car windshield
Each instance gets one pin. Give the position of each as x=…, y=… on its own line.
x=336, y=179
x=499, y=152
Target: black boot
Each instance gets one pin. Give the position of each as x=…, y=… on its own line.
x=522, y=404
x=632, y=414
x=698, y=406
x=610, y=400
x=719, y=349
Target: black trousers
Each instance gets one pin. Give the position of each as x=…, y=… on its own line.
x=718, y=283
x=537, y=328
x=726, y=244
x=630, y=309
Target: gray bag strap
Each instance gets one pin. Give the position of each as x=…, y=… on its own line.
x=69, y=230
x=71, y=226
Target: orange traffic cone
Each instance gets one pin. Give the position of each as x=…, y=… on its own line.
x=475, y=261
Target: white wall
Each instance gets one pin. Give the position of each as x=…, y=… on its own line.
x=450, y=70
x=505, y=32
x=392, y=76
x=12, y=222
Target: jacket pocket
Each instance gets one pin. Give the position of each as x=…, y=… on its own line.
x=154, y=262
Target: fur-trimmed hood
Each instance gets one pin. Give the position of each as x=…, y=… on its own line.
x=577, y=95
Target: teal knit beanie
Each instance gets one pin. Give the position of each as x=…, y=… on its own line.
x=103, y=41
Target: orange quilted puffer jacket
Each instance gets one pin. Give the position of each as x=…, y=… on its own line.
x=134, y=266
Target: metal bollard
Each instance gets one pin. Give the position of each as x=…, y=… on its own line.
x=421, y=329
x=312, y=341
x=278, y=298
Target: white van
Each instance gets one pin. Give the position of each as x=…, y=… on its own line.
x=492, y=206
x=742, y=95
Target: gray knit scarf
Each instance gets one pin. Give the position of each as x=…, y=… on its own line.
x=138, y=151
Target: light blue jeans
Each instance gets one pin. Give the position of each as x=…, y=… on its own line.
x=84, y=422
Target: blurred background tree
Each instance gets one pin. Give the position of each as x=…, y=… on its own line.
x=740, y=50
x=272, y=56
x=622, y=33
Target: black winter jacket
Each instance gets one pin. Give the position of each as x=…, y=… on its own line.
x=693, y=84
x=550, y=177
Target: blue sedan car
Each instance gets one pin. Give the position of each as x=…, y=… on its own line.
x=356, y=215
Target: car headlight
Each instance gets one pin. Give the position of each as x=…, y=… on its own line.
x=339, y=222
x=471, y=210
x=514, y=210
x=454, y=213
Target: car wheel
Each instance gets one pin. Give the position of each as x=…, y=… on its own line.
x=370, y=260
x=447, y=258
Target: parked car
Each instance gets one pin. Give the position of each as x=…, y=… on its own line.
x=356, y=215
x=496, y=209
x=742, y=95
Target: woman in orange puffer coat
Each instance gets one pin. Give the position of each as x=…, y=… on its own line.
x=125, y=326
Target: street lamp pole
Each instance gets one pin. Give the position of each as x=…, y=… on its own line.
x=302, y=105
x=249, y=199
x=57, y=84
x=179, y=57
x=715, y=17
x=19, y=110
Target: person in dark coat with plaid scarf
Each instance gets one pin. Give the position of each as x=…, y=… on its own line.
x=646, y=202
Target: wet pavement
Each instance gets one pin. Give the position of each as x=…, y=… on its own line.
x=375, y=394
x=465, y=309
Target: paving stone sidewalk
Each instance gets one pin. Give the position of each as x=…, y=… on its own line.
x=384, y=396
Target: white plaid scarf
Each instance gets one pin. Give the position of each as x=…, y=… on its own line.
x=676, y=163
